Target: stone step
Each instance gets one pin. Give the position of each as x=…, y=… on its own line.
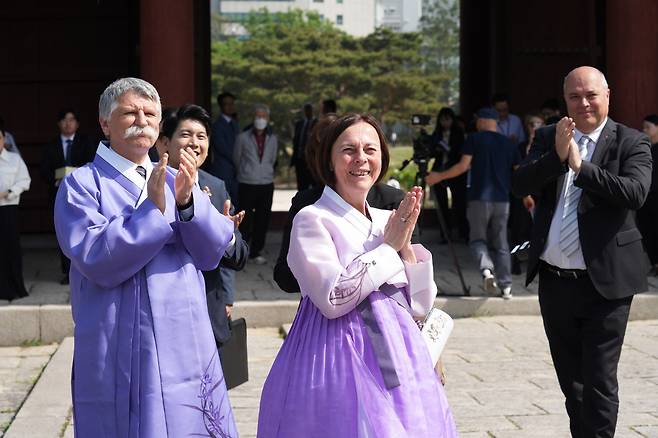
x=52, y=323
x=47, y=409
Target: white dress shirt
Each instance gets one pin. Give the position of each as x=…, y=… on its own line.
x=14, y=177
x=127, y=168
x=553, y=254
x=512, y=126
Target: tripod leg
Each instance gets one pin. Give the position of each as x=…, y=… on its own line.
x=420, y=181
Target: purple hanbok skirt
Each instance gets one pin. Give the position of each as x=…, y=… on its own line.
x=325, y=381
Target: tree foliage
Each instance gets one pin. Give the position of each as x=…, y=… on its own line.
x=439, y=27
x=291, y=58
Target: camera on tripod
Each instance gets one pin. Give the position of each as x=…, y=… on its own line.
x=424, y=148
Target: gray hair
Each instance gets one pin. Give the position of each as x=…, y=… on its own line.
x=261, y=107
x=110, y=97
x=604, y=82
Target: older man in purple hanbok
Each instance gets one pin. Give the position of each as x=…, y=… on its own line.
x=138, y=235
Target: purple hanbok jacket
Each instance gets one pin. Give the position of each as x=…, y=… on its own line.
x=145, y=361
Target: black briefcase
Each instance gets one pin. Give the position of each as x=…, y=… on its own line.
x=234, y=355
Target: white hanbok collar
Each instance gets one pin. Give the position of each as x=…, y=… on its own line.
x=127, y=168
x=360, y=222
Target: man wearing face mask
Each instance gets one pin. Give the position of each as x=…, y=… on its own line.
x=254, y=157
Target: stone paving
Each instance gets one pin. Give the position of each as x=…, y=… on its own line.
x=501, y=381
x=20, y=368
x=500, y=378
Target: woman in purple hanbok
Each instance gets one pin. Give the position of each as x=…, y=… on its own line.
x=354, y=363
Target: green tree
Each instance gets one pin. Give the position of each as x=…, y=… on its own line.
x=439, y=27
x=295, y=57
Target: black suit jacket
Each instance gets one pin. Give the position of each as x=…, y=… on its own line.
x=83, y=151
x=299, y=140
x=379, y=196
x=615, y=184
x=456, y=142
x=234, y=258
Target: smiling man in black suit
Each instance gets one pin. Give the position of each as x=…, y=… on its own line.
x=589, y=175
x=188, y=127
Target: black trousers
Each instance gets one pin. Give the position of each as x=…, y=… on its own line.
x=441, y=197
x=455, y=216
x=256, y=201
x=585, y=332
x=459, y=204
x=12, y=285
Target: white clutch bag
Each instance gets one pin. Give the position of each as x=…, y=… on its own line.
x=435, y=330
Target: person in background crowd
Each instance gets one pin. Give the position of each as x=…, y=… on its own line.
x=589, y=175
x=10, y=142
x=328, y=106
x=648, y=215
x=254, y=157
x=508, y=124
x=70, y=149
x=303, y=128
x=550, y=111
x=186, y=127
x=491, y=158
x=330, y=378
x=448, y=140
x=222, y=143
x=14, y=180
x=145, y=361
x=520, y=223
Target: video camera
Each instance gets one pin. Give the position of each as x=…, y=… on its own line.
x=424, y=148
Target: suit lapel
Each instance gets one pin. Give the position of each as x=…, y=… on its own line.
x=59, y=152
x=606, y=139
x=560, y=185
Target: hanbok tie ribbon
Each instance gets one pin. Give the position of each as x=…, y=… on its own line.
x=379, y=345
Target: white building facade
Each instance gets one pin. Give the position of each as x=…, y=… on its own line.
x=355, y=17
x=399, y=15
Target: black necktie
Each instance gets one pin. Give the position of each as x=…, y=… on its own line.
x=141, y=171
x=67, y=158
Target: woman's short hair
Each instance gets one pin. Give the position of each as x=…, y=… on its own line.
x=532, y=114
x=186, y=112
x=321, y=163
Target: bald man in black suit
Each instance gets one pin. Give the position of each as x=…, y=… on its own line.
x=589, y=175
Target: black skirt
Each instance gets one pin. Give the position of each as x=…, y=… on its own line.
x=11, y=257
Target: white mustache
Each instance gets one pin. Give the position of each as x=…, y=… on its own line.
x=135, y=131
